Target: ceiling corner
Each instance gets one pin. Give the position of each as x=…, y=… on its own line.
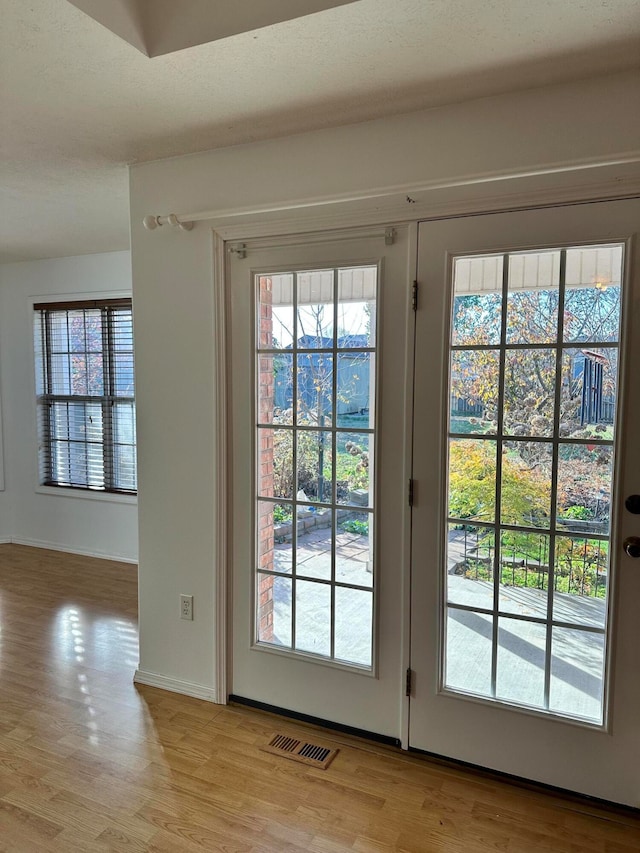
x=124, y=18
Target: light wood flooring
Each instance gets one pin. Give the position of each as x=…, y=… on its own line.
x=90, y=762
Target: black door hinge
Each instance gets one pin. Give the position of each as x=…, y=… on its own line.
x=410, y=493
x=408, y=683
x=414, y=296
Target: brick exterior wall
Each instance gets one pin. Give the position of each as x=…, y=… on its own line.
x=265, y=474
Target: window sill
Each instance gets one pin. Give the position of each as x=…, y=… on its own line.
x=87, y=494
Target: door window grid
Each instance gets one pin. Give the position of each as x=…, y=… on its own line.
x=321, y=582
x=556, y=536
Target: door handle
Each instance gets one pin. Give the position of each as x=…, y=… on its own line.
x=631, y=546
x=632, y=504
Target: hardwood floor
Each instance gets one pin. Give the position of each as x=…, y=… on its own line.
x=90, y=762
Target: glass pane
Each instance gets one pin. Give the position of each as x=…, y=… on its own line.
x=357, y=307
x=78, y=464
x=62, y=422
x=354, y=548
x=472, y=479
x=124, y=465
x=470, y=566
x=274, y=610
x=521, y=662
x=532, y=301
x=274, y=536
x=354, y=458
x=76, y=421
x=313, y=617
x=314, y=542
x=122, y=326
x=95, y=375
x=60, y=462
x=275, y=463
x=324, y=391
x=474, y=391
x=585, y=476
x=60, y=376
x=581, y=581
x=589, y=390
x=124, y=421
x=95, y=464
x=275, y=389
x=354, y=626
x=315, y=310
x=529, y=392
x=77, y=331
x=525, y=490
x=79, y=376
x=58, y=332
x=315, y=389
x=477, y=304
x=592, y=300
x=468, y=657
x=38, y=352
x=275, y=311
x=577, y=669
x=123, y=384
x=356, y=389
x=524, y=573
x=315, y=469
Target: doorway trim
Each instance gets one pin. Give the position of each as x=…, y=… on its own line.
x=392, y=206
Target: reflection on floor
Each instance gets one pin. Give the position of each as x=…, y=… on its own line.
x=90, y=763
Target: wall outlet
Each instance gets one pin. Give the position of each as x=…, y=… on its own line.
x=186, y=607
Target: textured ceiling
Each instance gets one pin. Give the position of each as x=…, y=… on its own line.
x=157, y=27
x=77, y=103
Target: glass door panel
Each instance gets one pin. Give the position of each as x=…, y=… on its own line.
x=539, y=400
x=320, y=458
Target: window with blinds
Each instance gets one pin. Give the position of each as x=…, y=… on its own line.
x=85, y=395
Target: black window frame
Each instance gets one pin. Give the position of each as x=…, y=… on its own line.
x=109, y=400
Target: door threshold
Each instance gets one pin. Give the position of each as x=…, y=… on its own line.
x=315, y=721
x=582, y=801
x=521, y=782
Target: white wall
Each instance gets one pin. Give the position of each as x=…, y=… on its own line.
x=568, y=129
x=89, y=525
x=6, y=515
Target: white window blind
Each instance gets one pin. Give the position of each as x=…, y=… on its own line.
x=85, y=395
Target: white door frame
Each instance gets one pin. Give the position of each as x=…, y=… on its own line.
x=503, y=194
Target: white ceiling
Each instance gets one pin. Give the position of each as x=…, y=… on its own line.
x=77, y=103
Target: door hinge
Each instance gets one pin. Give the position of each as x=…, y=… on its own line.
x=410, y=493
x=414, y=296
x=408, y=686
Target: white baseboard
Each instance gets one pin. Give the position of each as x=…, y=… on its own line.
x=54, y=546
x=174, y=685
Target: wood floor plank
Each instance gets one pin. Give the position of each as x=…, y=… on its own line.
x=91, y=762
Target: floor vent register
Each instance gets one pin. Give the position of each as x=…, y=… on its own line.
x=313, y=754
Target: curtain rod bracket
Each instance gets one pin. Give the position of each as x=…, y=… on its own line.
x=153, y=222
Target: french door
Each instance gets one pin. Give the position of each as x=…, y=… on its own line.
x=320, y=459
x=524, y=606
